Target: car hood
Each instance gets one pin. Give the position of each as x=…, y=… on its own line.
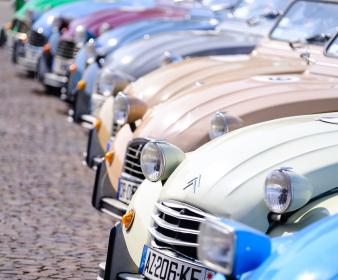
x=116, y=17
x=69, y=12
x=167, y=82
x=233, y=168
x=143, y=56
x=184, y=120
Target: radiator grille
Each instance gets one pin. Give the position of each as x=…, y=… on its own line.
x=37, y=39
x=176, y=227
x=132, y=161
x=67, y=49
x=23, y=27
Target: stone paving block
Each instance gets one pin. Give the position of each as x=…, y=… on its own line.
x=49, y=230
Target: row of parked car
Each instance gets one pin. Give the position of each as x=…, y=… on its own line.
x=212, y=128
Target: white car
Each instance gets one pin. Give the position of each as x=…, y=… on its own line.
x=277, y=177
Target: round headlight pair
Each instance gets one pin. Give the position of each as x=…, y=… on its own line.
x=286, y=190
x=90, y=51
x=222, y=123
x=159, y=160
x=128, y=108
x=80, y=36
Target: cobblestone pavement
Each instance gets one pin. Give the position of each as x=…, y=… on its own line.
x=48, y=228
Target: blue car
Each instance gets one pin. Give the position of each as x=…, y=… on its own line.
x=47, y=29
x=241, y=252
x=199, y=18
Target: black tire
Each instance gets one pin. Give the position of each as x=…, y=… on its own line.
x=2, y=37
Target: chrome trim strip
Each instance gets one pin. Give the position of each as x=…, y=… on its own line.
x=133, y=163
x=130, y=155
x=129, y=177
x=166, y=225
x=176, y=214
x=169, y=240
x=132, y=170
x=177, y=204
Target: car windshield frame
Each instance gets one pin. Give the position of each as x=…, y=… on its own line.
x=232, y=16
x=329, y=43
x=299, y=42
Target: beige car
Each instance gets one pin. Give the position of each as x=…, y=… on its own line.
x=184, y=119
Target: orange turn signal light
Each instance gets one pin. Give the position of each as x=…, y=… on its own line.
x=128, y=218
x=8, y=25
x=24, y=41
x=72, y=68
x=46, y=48
x=81, y=84
x=109, y=157
x=97, y=124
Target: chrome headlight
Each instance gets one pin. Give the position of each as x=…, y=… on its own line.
x=286, y=190
x=105, y=83
x=159, y=160
x=128, y=108
x=121, y=109
x=222, y=123
x=80, y=36
x=90, y=51
x=168, y=58
x=103, y=28
x=230, y=247
x=56, y=23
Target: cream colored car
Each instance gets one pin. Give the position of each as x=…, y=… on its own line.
x=184, y=119
x=278, y=177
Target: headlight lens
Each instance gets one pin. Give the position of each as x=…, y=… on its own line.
x=218, y=125
x=277, y=191
x=286, y=190
x=80, y=36
x=90, y=51
x=105, y=83
x=160, y=159
x=216, y=247
x=152, y=162
x=121, y=109
x=56, y=22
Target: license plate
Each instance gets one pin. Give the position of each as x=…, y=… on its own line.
x=60, y=67
x=158, y=266
x=32, y=54
x=126, y=190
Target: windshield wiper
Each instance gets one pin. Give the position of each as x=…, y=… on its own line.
x=315, y=38
x=255, y=20
x=319, y=38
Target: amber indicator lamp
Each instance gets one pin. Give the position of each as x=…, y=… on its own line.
x=109, y=157
x=72, y=68
x=128, y=218
x=81, y=84
x=46, y=48
x=97, y=124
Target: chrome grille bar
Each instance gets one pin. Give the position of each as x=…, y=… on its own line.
x=170, y=240
x=133, y=170
x=172, y=227
x=173, y=213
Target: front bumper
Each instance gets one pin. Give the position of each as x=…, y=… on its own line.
x=94, y=151
x=28, y=57
x=104, y=195
x=118, y=260
x=54, y=80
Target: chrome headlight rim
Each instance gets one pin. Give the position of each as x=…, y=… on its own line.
x=101, y=83
x=219, y=114
x=162, y=159
x=290, y=188
x=125, y=99
x=80, y=31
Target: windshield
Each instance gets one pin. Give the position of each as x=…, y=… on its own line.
x=249, y=9
x=307, y=21
x=333, y=48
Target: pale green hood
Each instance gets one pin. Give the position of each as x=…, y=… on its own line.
x=233, y=167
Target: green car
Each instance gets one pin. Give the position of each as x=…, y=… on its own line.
x=24, y=17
